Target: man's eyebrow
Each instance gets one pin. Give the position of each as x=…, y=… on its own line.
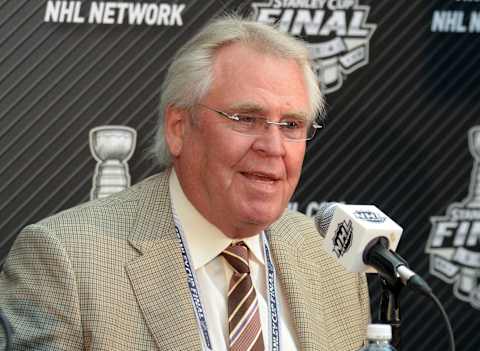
x=247, y=107
x=256, y=108
x=296, y=115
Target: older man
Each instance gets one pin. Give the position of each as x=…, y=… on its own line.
x=203, y=256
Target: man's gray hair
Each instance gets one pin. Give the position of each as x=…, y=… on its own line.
x=190, y=74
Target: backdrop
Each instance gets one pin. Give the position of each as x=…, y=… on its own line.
x=403, y=126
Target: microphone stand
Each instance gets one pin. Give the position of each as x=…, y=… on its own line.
x=378, y=256
x=390, y=307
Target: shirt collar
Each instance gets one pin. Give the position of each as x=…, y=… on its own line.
x=204, y=240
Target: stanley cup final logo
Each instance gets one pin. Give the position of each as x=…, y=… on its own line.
x=337, y=32
x=454, y=242
x=112, y=147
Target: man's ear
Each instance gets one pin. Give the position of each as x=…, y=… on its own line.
x=176, y=120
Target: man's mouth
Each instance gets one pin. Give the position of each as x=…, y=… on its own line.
x=262, y=177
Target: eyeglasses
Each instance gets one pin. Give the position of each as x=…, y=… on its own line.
x=292, y=129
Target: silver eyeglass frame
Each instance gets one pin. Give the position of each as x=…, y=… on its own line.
x=234, y=117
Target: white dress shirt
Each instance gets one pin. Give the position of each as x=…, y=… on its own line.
x=205, y=242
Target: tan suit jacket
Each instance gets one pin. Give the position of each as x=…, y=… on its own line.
x=108, y=275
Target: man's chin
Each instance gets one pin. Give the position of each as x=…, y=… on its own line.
x=263, y=220
x=250, y=226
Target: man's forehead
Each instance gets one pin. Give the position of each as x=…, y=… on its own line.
x=236, y=65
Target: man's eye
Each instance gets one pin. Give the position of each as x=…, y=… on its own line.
x=247, y=119
x=293, y=124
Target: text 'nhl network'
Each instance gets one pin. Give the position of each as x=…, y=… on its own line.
x=111, y=12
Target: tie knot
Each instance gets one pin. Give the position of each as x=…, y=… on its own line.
x=237, y=256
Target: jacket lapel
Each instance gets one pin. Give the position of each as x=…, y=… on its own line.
x=158, y=275
x=286, y=247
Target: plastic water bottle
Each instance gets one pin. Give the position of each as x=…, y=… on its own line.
x=378, y=338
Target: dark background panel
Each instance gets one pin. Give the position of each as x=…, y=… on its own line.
x=396, y=137
x=58, y=81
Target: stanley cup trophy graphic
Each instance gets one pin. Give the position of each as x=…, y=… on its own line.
x=112, y=147
x=474, y=140
x=453, y=244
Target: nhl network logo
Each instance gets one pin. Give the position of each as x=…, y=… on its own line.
x=342, y=240
x=454, y=242
x=369, y=216
x=336, y=31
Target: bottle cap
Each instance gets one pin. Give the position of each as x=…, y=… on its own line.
x=379, y=331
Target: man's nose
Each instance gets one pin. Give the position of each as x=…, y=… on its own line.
x=271, y=142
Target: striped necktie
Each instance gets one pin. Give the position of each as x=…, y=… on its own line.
x=245, y=330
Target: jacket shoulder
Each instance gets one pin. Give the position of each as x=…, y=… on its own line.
x=111, y=216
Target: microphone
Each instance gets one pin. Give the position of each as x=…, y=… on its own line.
x=362, y=237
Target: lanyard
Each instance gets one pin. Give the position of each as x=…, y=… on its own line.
x=272, y=295
x=273, y=306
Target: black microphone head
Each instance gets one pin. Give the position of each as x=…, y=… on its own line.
x=324, y=217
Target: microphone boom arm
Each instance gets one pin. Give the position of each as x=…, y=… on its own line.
x=392, y=267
